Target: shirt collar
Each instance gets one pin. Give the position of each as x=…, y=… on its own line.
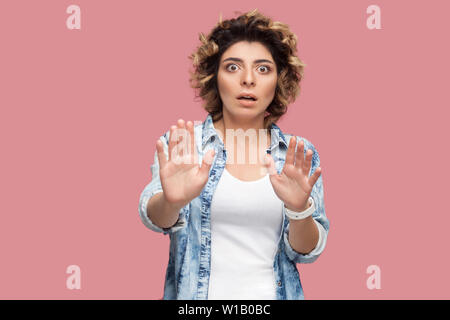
x=209, y=131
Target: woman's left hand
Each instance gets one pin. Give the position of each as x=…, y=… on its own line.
x=293, y=186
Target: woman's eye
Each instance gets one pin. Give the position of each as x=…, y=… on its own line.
x=267, y=68
x=231, y=65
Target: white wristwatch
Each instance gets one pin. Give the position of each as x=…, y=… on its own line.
x=304, y=214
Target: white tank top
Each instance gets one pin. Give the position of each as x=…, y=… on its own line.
x=246, y=218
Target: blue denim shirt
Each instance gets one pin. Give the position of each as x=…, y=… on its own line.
x=188, y=270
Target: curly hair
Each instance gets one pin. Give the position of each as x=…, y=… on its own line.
x=251, y=26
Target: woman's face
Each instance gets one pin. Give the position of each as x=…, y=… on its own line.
x=246, y=67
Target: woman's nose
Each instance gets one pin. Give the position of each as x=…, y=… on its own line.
x=248, y=79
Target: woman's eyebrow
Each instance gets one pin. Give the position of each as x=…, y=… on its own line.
x=240, y=60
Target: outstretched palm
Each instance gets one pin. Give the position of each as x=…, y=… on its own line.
x=182, y=178
x=293, y=186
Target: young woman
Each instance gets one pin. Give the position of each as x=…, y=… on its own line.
x=239, y=215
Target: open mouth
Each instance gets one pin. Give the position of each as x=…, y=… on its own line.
x=249, y=98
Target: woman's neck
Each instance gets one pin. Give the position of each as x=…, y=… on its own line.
x=240, y=138
x=229, y=122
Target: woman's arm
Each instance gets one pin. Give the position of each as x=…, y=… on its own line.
x=161, y=212
x=303, y=235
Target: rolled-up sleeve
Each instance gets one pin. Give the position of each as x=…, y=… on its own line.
x=152, y=189
x=318, y=215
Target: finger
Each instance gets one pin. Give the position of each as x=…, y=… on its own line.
x=315, y=176
x=181, y=138
x=291, y=151
x=270, y=165
x=191, y=137
x=299, y=156
x=161, y=156
x=172, y=141
x=207, y=162
x=181, y=125
x=307, y=162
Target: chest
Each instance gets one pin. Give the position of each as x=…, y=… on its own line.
x=247, y=172
x=246, y=162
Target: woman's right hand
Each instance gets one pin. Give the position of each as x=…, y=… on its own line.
x=182, y=178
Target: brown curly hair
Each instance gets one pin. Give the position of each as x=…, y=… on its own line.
x=251, y=26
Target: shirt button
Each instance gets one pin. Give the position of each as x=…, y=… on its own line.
x=279, y=283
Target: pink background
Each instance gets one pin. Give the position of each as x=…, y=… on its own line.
x=81, y=111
